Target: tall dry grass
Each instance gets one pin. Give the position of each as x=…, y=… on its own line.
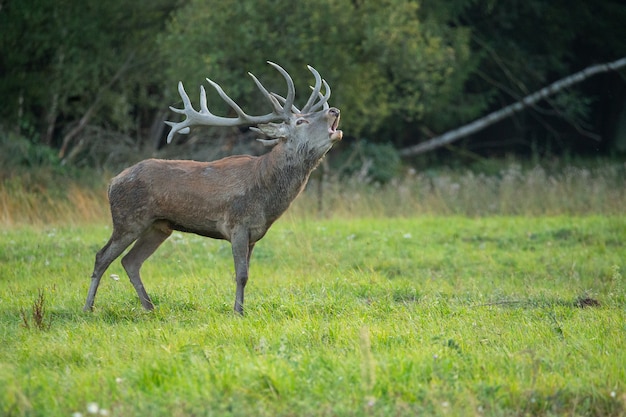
x=67, y=202
x=511, y=190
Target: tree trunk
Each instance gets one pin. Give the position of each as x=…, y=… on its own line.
x=479, y=124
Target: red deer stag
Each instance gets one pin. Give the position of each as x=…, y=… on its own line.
x=236, y=198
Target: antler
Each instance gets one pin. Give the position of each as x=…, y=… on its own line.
x=280, y=112
x=310, y=105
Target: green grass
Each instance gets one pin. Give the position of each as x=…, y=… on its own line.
x=373, y=317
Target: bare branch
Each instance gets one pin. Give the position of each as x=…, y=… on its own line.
x=69, y=137
x=508, y=111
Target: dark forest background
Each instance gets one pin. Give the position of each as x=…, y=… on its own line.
x=88, y=83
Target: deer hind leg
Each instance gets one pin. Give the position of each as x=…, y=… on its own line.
x=145, y=246
x=109, y=252
x=242, y=250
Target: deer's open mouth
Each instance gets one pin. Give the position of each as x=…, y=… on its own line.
x=335, y=124
x=335, y=134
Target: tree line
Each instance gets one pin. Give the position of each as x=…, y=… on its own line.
x=93, y=80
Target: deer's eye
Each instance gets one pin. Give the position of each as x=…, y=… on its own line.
x=301, y=121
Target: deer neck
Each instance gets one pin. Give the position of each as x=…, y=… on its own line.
x=285, y=171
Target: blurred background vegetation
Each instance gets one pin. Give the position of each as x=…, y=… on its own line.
x=87, y=85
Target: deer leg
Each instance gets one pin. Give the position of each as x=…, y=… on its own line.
x=242, y=249
x=109, y=252
x=145, y=246
x=250, y=247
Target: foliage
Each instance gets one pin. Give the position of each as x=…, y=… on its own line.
x=383, y=65
x=430, y=316
x=62, y=58
x=19, y=152
x=84, y=77
x=522, y=46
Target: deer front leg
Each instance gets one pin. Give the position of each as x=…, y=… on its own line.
x=242, y=249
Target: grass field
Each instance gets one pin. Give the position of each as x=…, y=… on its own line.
x=428, y=315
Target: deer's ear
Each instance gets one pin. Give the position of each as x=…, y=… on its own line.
x=273, y=130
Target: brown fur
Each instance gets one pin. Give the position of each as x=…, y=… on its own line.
x=236, y=198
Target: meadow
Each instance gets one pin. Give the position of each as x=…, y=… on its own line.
x=450, y=294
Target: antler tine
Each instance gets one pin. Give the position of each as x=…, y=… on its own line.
x=291, y=89
x=180, y=127
x=316, y=90
x=203, y=104
x=282, y=99
x=274, y=98
x=242, y=115
x=323, y=103
x=269, y=96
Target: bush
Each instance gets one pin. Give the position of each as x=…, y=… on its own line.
x=18, y=152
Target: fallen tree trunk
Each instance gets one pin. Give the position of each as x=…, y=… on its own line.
x=479, y=124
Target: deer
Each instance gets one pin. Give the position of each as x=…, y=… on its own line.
x=236, y=198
